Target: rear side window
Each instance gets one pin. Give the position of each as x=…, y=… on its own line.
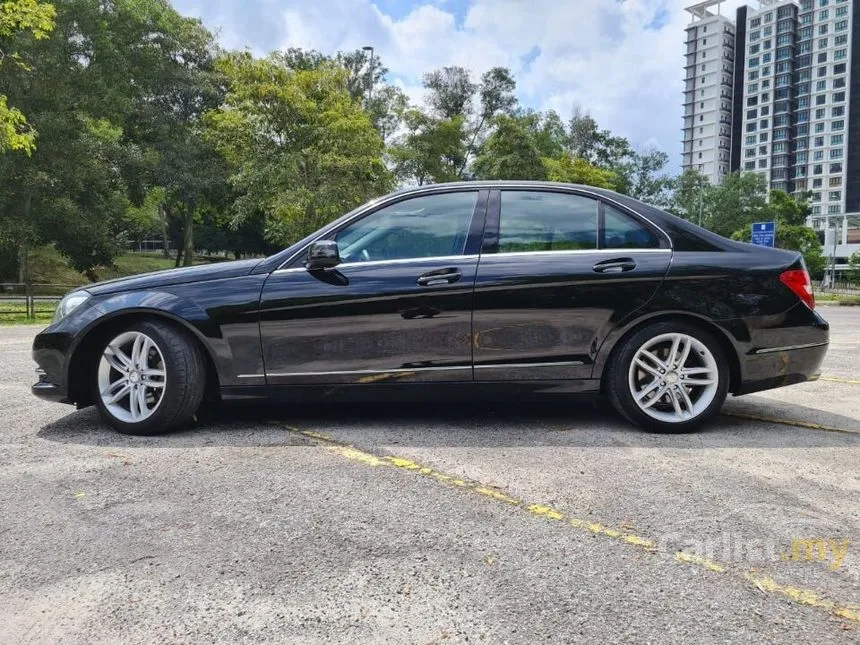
x=538, y=221
x=620, y=231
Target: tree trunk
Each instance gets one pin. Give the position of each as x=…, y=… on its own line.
x=24, y=248
x=165, y=236
x=189, y=238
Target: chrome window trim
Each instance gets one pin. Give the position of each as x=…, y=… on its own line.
x=573, y=252
x=477, y=187
x=432, y=258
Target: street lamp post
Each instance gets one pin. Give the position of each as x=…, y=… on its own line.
x=368, y=48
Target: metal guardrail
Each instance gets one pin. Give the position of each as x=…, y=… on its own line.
x=31, y=300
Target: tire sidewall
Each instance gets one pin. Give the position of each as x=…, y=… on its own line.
x=620, y=387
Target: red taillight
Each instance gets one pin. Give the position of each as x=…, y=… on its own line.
x=798, y=281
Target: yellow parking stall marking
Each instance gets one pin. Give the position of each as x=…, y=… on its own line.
x=788, y=422
x=804, y=596
x=710, y=565
x=839, y=379
x=762, y=582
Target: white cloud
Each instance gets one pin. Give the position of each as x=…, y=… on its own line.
x=595, y=53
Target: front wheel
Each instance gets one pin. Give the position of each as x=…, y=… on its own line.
x=669, y=377
x=150, y=378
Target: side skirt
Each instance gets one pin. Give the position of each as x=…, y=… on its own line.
x=409, y=392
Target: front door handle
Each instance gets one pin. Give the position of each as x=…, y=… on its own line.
x=617, y=265
x=440, y=276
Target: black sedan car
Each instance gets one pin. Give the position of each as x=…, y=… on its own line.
x=455, y=290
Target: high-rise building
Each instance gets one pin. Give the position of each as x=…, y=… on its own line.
x=792, y=118
x=709, y=75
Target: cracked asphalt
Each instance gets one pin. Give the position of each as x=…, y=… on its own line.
x=494, y=523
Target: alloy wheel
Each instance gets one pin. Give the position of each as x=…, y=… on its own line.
x=132, y=377
x=673, y=378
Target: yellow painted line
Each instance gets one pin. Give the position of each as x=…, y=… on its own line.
x=492, y=492
x=788, y=422
x=803, y=596
x=710, y=565
x=762, y=582
x=839, y=379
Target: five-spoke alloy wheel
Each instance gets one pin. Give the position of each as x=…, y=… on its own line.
x=132, y=377
x=669, y=377
x=150, y=378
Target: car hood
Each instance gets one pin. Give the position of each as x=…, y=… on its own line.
x=200, y=273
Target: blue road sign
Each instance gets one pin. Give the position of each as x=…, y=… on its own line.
x=764, y=234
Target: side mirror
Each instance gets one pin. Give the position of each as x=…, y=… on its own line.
x=323, y=254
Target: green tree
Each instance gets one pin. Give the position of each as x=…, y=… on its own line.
x=431, y=151
x=19, y=17
x=853, y=274
x=576, y=170
x=736, y=203
x=645, y=178
x=688, y=195
x=510, y=152
x=300, y=148
x=790, y=215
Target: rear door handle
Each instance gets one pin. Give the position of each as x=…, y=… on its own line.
x=618, y=265
x=440, y=276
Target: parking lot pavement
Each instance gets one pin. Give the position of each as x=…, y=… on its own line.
x=427, y=524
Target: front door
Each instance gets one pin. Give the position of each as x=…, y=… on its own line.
x=557, y=272
x=397, y=309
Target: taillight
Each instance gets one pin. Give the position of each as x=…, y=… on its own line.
x=798, y=281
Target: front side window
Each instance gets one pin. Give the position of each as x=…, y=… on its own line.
x=421, y=227
x=535, y=221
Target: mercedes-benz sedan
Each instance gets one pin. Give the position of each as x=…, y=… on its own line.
x=452, y=291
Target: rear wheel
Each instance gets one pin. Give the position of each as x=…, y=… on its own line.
x=669, y=377
x=150, y=379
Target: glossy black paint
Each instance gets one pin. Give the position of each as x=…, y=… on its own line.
x=530, y=323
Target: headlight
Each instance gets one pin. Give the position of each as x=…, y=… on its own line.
x=69, y=303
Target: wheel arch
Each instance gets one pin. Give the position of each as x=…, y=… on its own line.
x=82, y=363
x=611, y=347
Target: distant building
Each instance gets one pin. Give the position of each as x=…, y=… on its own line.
x=709, y=79
x=792, y=118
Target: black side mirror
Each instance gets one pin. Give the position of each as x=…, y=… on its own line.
x=323, y=254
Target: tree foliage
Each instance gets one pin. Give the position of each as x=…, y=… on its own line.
x=146, y=127
x=17, y=18
x=301, y=150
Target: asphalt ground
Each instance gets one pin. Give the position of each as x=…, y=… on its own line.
x=495, y=523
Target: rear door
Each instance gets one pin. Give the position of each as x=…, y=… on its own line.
x=397, y=309
x=558, y=270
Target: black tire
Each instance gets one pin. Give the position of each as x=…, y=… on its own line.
x=618, y=388
x=185, y=382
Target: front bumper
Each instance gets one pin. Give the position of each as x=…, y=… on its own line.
x=48, y=391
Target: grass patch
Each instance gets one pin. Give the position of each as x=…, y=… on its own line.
x=837, y=299
x=15, y=313
x=48, y=266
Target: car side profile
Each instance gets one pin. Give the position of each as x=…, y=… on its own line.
x=453, y=291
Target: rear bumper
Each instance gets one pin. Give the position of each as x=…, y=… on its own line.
x=778, y=367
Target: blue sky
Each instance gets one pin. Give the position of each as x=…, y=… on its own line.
x=620, y=60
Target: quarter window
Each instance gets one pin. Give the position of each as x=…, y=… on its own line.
x=421, y=227
x=623, y=232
